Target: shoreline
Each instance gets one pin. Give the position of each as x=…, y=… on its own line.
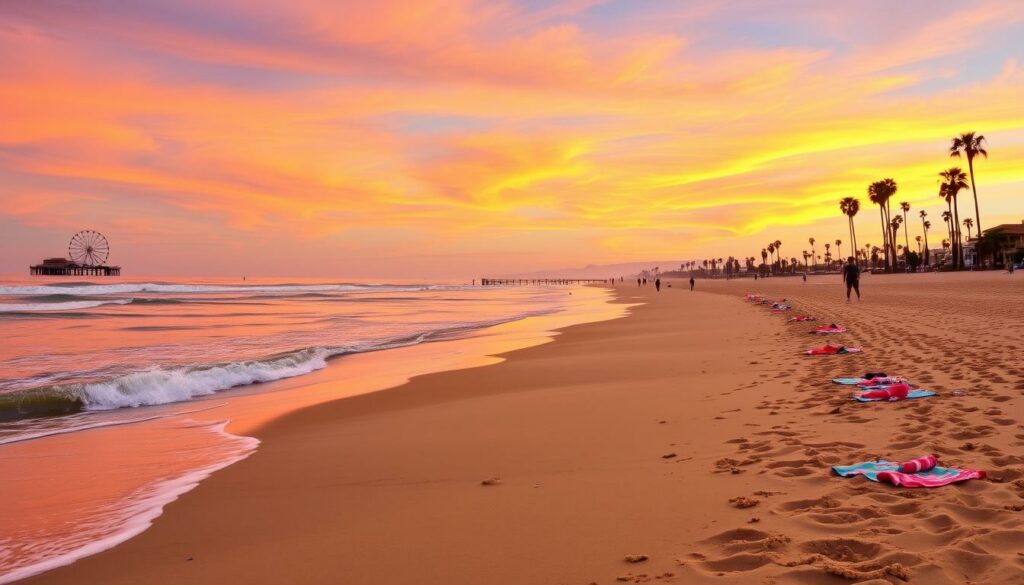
x=649, y=434
x=119, y=448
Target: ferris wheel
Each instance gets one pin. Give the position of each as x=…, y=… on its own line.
x=89, y=248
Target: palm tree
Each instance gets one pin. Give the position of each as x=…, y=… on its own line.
x=894, y=225
x=971, y=145
x=880, y=192
x=807, y=259
x=968, y=223
x=764, y=256
x=925, y=224
x=905, y=206
x=811, y=242
x=918, y=240
x=956, y=181
x=947, y=216
x=778, y=251
x=771, y=251
x=839, y=249
x=850, y=206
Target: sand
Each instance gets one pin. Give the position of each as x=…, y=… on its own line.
x=690, y=433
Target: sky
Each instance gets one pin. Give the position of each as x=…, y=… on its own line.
x=463, y=138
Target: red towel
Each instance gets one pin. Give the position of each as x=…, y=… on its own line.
x=920, y=464
x=894, y=392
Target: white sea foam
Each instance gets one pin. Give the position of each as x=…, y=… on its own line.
x=132, y=516
x=162, y=386
x=67, y=306
x=151, y=287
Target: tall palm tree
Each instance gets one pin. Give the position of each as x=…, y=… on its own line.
x=905, y=206
x=778, y=251
x=925, y=224
x=850, y=206
x=968, y=223
x=811, y=242
x=764, y=256
x=971, y=145
x=918, y=240
x=956, y=181
x=839, y=249
x=828, y=254
x=880, y=192
x=947, y=216
x=771, y=252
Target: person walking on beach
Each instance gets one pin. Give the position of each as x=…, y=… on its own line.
x=638, y=282
x=692, y=282
x=851, y=276
x=657, y=284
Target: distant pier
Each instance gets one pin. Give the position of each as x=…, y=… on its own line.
x=64, y=267
x=88, y=252
x=529, y=281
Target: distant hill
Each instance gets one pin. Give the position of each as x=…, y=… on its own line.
x=601, y=270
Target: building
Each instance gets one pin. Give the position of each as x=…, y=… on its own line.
x=1009, y=243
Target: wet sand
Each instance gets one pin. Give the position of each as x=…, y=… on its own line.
x=691, y=432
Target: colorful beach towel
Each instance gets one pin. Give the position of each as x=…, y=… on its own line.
x=915, y=393
x=883, y=381
x=853, y=380
x=832, y=350
x=802, y=318
x=889, y=472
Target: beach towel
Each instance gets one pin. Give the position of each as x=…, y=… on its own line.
x=894, y=392
x=832, y=350
x=829, y=329
x=781, y=308
x=883, y=381
x=802, y=318
x=852, y=380
x=847, y=381
x=889, y=472
x=915, y=393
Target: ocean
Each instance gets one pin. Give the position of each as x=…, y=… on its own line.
x=117, y=396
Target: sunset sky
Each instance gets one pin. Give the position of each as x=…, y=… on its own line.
x=464, y=139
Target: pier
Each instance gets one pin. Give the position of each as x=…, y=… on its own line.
x=534, y=281
x=88, y=252
x=63, y=267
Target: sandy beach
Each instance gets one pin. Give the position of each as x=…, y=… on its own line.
x=691, y=432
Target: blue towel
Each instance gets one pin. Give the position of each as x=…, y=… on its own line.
x=847, y=381
x=911, y=394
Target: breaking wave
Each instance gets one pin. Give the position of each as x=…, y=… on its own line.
x=58, y=306
x=163, y=385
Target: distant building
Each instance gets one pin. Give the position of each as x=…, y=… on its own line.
x=1009, y=242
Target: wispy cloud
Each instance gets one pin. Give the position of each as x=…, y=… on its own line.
x=542, y=133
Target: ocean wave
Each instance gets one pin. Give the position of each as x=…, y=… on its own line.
x=80, y=289
x=58, y=306
x=163, y=385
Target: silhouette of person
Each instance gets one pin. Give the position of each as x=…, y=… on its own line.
x=851, y=276
x=657, y=284
x=692, y=282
